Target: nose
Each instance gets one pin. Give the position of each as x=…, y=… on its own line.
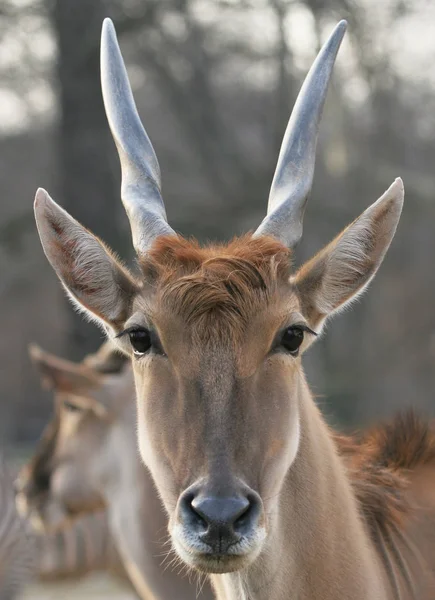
x=220, y=521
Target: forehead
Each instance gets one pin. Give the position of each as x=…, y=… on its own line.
x=221, y=288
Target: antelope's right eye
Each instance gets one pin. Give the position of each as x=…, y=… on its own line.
x=140, y=339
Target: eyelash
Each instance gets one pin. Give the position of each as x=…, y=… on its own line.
x=304, y=328
x=134, y=328
x=152, y=343
x=290, y=339
x=128, y=331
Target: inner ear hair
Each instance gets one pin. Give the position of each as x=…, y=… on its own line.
x=94, y=278
x=340, y=272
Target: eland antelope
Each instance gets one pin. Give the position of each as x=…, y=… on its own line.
x=82, y=546
x=88, y=456
x=257, y=493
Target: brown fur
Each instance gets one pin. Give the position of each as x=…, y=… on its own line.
x=224, y=280
x=405, y=443
x=217, y=282
x=224, y=411
x=381, y=463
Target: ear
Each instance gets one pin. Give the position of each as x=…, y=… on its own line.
x=60, y=374
x=342, y=270
x=94, y=279
x=108, y=359
x=77, y=382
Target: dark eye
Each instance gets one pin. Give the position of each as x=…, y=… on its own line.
x=292, y=339
x=140, y=340
x=71, y=407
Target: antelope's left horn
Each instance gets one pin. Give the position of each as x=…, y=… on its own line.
x=295, y=169
x=140, y=189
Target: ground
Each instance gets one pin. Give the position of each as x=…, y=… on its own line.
x=94, y=587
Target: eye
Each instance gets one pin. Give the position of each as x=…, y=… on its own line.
x=71, y=407
x=292, y=339
x=140, y=339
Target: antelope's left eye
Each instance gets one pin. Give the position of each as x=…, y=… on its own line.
x=140, y=339
x=292, y=339
x=71, y=407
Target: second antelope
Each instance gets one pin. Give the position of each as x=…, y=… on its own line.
x=255, y=489
x=89, y=454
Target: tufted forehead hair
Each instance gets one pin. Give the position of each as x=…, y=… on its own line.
x=218, y=286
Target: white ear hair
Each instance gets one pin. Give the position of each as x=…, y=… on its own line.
x=94, y=279
x=343, y=270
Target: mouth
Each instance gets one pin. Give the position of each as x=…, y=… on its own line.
x=43, y=517
x=201, y=557
x=218, y=563
x=30, y=514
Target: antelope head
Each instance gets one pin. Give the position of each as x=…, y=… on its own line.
x=216, y=333
x=80, y=444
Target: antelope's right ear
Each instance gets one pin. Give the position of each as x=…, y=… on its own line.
x=94, y=279
x=60, y=374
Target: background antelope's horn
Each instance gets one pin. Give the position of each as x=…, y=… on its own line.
x=140, y=189
x=295, y=169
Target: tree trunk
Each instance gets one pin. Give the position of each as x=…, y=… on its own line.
x=89, y=180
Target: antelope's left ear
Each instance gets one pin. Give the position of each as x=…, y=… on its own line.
x=94, y=279
x=344, y=268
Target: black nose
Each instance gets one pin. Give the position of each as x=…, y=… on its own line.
x=220, y=521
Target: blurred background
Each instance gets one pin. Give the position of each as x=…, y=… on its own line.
x=215, y=81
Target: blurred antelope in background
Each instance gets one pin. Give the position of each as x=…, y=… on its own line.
x=88, y=456
x=66, y=548
x=82, y=546
x=257, y=493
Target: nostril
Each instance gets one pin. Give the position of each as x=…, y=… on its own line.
x=249, y=515
x=199, y=507
x=221, y=512
x=199, y=517
x=243, y=511
x=190, y=514
x=217, y=520
x=243, y=517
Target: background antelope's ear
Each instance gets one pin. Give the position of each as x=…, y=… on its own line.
x=342, y=270
x=60, y=374
x=107, y=359
x=95, y=280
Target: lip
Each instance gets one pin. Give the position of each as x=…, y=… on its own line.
x=218, y=563
x=211, y=562
x=207, y=561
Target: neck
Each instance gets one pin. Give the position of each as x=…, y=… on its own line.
x=317, y=546
x=139, y=526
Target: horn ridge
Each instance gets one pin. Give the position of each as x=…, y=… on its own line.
x=141, y=184
x=294, y=173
